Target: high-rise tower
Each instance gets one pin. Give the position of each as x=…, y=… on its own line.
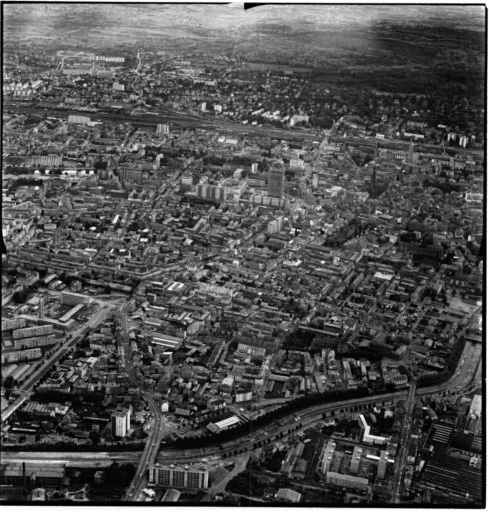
x=276, y=177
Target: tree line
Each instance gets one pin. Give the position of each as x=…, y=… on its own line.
x=255, y=425
x=448, y=371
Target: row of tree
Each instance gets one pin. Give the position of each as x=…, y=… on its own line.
x=21, y=296
x=60, y=397
x=289, y=408
x=445, y=186
x=452, y=363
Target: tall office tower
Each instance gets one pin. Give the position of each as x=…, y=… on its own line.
x=276, y=179
x=41, y=308
x=121, y=422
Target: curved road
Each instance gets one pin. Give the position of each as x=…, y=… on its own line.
x=300, y=421
x=314, y=414
x=467, y=368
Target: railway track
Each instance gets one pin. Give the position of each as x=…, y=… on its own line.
x=300, y=420
x=165, y=116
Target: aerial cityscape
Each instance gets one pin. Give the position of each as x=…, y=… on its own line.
x=243, y=254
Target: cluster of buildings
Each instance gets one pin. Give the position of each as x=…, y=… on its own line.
x=224, y=88
x=353, y=466
x=259, y=267
x=301, y=269
x=22, y=90
x=98, y=374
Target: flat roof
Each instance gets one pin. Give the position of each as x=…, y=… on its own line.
x=73, y=294
x=50, y=278
x=166, y=337
x=170, y=344
x=166, y=343
x=52, y=321
x=349, y=478
x=71, y=312
x=151, y=321
x=180, y=467
x=227, y=422
x=382, y=275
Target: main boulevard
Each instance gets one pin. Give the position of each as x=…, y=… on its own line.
x=153, y=440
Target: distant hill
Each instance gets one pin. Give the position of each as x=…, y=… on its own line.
x=392, y=48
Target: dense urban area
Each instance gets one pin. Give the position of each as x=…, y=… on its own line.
x=228, y=280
